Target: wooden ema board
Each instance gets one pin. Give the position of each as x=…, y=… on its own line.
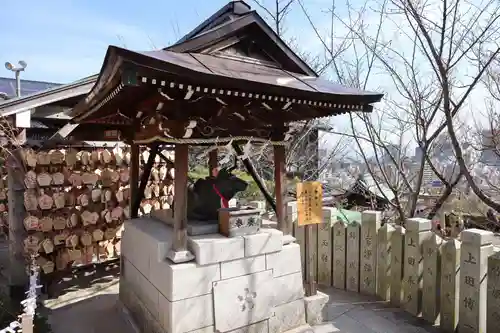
x=75, y=202
x=309, y=203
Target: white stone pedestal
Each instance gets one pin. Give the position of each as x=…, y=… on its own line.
x=242, y=284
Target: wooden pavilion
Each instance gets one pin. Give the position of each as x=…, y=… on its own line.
x=232, y=80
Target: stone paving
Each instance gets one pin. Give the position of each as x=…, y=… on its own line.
x=89, y=311
x=93, y=308
x=349, y=312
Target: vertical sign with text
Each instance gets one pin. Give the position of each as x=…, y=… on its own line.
x=309, y=203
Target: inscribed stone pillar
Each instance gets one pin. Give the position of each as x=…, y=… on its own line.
x=384, y=253
x=476, y=248
x=339, y=254
x=493, y=294
x=450, y=279
x=368, y=260
x=312, y=250
x=431, y=278
x=291, y=211
x=325, y=247
x=397, y=259
x=352, y=257
x=418, y=230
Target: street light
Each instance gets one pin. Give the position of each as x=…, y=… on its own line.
x=17, y=70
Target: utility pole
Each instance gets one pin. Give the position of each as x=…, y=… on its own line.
x=17, y=71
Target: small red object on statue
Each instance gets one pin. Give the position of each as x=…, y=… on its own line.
x=224, y=201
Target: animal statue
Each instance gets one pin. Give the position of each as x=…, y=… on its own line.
x=206, y=196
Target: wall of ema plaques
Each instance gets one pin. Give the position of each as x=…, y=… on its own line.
x=76, y=201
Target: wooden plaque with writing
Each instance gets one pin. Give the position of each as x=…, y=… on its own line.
x=309, y=203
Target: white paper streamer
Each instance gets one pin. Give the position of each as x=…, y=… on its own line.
x=29, y=303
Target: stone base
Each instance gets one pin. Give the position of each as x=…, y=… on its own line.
x=287, y=239
x=180, y=256
x=196, y=228
x=127, y=316
x=243, y=284
x=314, y=308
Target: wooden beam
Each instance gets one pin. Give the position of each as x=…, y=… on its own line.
x=64, y=131
x=280, y=190
x=180, y=188
x=255, y=176
x=180, y=252
x=134, y=177
x=144, y=178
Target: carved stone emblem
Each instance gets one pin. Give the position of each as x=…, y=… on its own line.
x=247, y=300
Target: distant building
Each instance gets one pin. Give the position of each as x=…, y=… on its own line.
x=367, y=192
x=429, y=178
x=418, y=154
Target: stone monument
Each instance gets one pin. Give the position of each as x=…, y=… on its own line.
x=474, y=252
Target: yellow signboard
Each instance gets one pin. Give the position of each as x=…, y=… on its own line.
x=309, y=203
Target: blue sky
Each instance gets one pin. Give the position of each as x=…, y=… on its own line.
x=65, y=40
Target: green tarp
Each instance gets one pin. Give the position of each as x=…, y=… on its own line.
x=348, y=216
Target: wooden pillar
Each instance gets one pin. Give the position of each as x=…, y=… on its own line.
x=18, y=279
x=213, y=161
x=134, y=177
x=284, y=224
x=255, y=176
x=180, y=252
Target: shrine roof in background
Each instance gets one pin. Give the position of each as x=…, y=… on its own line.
x=231, y=77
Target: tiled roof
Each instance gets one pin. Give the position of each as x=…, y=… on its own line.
x=28, y=87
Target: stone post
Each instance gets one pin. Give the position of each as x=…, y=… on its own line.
x=431, y=278
x=384, y=253
x=418, y=230
x=493, y=294
x=368, y=261
x=260, y=204
x=476, y=248
x=339, y=254
x=352, y=256
x=325, y=247
x=397, y=259
x=450, y=279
